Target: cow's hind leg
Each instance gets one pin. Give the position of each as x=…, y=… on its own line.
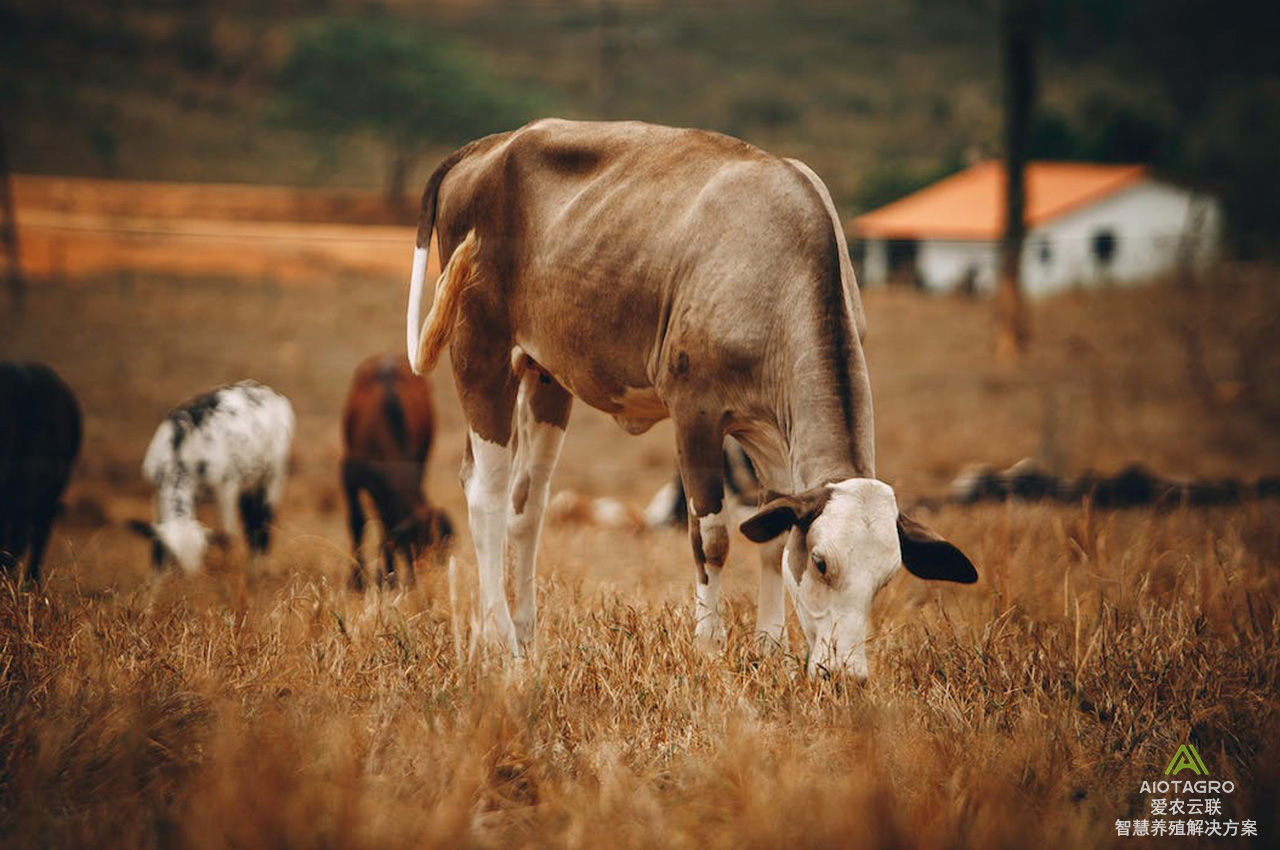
x=486, y=474
x=487, y=390
x=41, y=526
x=699, y=445
x=542, y=412
x=256, y=516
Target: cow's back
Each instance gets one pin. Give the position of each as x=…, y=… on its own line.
x=388, y=414
x=600, y=240
x=40, y=428
x=242, y=431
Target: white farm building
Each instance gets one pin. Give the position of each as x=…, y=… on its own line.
x=1087, y=225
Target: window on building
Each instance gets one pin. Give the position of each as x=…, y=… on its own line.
x=1104, y=246
x=1046, y=252
x=903, y=258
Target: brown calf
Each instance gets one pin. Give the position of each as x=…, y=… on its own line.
x=387, y=426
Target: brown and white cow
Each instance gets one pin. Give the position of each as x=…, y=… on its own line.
x=655, y=272
x=388, y=423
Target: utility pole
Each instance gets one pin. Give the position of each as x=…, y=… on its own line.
x=9, y=233
x=1019, y=22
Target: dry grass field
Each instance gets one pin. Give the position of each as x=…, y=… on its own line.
x=281, y=710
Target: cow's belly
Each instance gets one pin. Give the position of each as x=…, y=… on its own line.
x=608, y=387
x=638, y=410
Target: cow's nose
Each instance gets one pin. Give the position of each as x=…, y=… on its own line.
x=848, y=673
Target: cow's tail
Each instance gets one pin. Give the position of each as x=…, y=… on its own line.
x=438, y=327
x=421, y=253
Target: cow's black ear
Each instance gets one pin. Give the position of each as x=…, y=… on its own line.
x=442, y=526
x=142, y=529
x=782, y=513
x=928, y=555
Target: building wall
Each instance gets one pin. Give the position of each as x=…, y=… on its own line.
x=947, y=266
x=1154, y=228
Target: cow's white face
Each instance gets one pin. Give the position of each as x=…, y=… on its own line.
x=185, y=539
x=847, y=540
x=835, y=570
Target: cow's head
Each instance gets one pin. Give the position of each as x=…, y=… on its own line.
x=847, y=541
x=184, y=540
x=426, y=529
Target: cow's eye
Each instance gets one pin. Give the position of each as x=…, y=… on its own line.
x=819, y=563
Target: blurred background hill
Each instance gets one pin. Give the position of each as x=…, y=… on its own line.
x=880, y=96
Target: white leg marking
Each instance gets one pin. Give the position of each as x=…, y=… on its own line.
x=537, y=450
x=771, y=612
x=709, y=628
x=486, y=493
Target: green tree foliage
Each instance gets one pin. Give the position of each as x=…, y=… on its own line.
x=1107, y=131
x=895, y=180
x=1216, y=63
x=394, y=81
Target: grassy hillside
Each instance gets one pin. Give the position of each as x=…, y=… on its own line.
x=875, y=94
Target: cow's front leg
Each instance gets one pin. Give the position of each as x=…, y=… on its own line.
x=702, y=470
x=542, y=412
x=771, y=612
x=486, y=474
x=227, y=496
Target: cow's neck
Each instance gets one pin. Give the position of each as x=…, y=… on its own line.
x=175, y=499
x=827, y=427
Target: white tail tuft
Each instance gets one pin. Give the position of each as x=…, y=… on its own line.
x=420, y=256
x=438, y=327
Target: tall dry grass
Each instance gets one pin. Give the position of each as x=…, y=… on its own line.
x=288, y=712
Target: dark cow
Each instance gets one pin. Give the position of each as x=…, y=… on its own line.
x=387, y=428
x=1133, y=486
x=40, y=432
x=654, y=272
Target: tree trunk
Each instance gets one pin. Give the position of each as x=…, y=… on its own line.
x=1019, y=21
x=9, y=233
x=397, y=175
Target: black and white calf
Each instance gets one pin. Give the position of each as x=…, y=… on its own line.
x=230, y=444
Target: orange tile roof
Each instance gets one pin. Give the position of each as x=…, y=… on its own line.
x=970, y=204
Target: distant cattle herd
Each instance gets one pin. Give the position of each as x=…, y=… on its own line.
x=230, y=446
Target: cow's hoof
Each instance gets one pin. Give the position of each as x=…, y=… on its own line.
x=709, y=637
